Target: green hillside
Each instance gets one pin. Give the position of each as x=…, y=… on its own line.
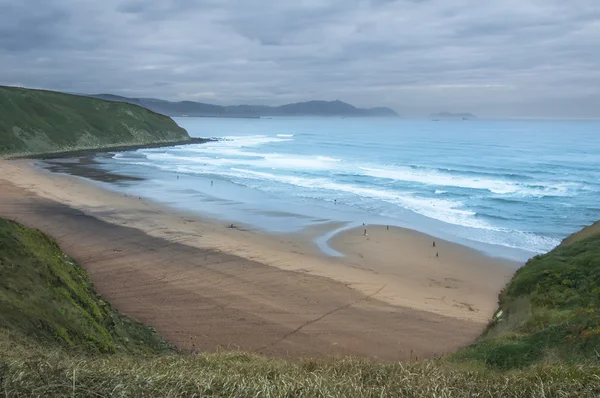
x=58, y=338
x=37, y=122
x=45, y=295
x=550, y=310
x=589, y=231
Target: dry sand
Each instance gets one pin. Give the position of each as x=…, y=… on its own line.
x=205, y=286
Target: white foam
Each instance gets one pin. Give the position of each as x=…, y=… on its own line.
x=440, y=209
x=246, y=141
x=252, y=159
x=431, y=177
x=440, y=179
x=328, y=159
x=294, y=162
x=448, y=211
x=193, y=161
x=235, y=148
x=520, y=240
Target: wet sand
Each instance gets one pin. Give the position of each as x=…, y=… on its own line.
x=205, y=286
x=431, y=277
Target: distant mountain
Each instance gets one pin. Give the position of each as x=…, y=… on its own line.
x=326, y=108
x=448, y=115
x=190, y=108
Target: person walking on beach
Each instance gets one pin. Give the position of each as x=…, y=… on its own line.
x=211, y=183
x=433, y=243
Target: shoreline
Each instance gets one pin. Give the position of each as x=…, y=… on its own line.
x=219, y=207
x=97, y=150
x=296, y=251
x=469, y=299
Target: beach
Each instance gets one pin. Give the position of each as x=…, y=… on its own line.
x=207, y=286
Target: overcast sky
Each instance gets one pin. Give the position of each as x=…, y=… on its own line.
x=490, y=57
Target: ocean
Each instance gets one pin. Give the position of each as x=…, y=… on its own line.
x=512, y=188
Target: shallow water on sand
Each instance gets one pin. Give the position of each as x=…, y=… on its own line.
x=512, y=188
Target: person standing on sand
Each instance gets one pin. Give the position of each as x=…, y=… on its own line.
x=211, y=183
x=433, y=243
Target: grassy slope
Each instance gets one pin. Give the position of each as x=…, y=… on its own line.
x=36, y=121
x=589, y=231
x=29, y=370
x=550, y=310
x=47, y=307
x=45, y=295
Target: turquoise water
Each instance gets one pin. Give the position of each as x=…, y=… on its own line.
x=513, y=188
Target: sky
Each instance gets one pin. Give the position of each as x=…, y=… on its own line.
x=514, y=58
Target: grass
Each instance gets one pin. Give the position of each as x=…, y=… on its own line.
x=45, y=295
x=550, y=309
x=59, y=338
x=586, y=232
x=42, y=371
x=38, y=122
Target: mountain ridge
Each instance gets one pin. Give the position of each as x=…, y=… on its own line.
x=450, y=115
x=306, y=108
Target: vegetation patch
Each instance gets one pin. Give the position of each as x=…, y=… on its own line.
x=40, y=122
x=59, y=338
x=550, y=309
x=46, y=295
x=50, y=371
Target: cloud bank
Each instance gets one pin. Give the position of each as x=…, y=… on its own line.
x=494, y=58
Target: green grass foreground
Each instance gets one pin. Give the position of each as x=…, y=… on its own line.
x=40, y=122
x=59, y=338
x=28, y=369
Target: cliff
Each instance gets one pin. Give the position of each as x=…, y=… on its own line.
x=38, y=122
x=549, y=311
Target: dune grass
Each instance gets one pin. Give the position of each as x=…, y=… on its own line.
x=32, y=370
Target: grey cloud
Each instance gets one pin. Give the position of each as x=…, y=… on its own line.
x=134, y=7
x=25, y=27
x=515, y=57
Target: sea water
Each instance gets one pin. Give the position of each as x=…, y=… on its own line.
x=511, y=187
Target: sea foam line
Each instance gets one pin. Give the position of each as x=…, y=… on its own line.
x=441, y=209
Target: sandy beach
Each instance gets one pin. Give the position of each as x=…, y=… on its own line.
x=206, y=286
